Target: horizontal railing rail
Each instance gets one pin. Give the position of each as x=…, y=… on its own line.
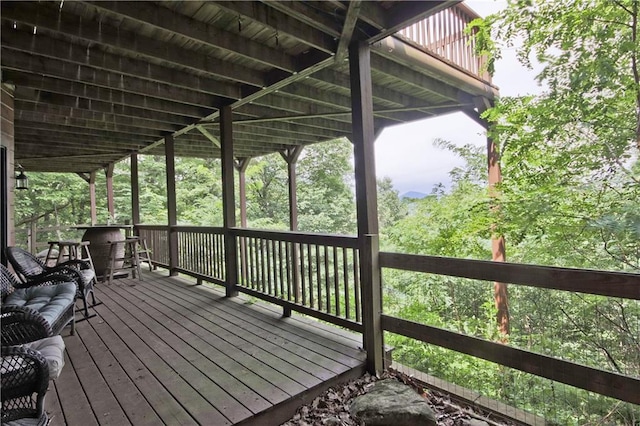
x=445, y=34
x=610, y=284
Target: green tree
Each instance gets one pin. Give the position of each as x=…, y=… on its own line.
x=326, y=200
x=391, y=208
x=569, y=156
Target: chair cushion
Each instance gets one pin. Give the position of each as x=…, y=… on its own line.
x=86, y=275
x=50, y=301
x=41, y=421
x=52, y=349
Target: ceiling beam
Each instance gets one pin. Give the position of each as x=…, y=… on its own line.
x=267, y=14
x=15, y=63
x=349, y=25
x=92, y=56
x=54, y=127
x=26, y=94
x=121, y=97
x=56, y=20
x=168, y=20
x=102, y=117
x=418, y=80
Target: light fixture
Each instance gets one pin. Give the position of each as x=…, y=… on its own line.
x=22, y=182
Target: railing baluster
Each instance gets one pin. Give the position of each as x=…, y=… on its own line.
x=288, y=265
x=310, y=272
x=302, y=275
x=326, y=279
x=318, y=277
x=268, y=255
x=356, y=284
x=345, y=281
x=336, y=284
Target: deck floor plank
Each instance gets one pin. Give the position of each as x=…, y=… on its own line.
x=200, y=338
x=71, y=396
x=171, y=367
x=131, y=400
x=164, y=351
x=243, y=331
x=237, y=398
x=163, y=403
x=252, y=347
x=266, y=327
x=270, y=317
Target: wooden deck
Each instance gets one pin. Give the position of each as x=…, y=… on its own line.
x=166, y=351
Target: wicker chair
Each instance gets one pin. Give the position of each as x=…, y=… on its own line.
x=25, y=371
x=29, y=267
x=36, y=309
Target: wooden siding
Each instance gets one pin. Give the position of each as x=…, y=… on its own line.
x=164, y=350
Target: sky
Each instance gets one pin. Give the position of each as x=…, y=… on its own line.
x=406, y=153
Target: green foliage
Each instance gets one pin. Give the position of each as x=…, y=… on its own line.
x=569, y=197
x=455, y=223
x=569, y=156
x=325, y=198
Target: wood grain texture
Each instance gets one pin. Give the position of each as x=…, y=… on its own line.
x=165, y=351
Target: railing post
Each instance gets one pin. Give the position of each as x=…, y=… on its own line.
x=228, y=200
x=366, y=202
x=33, y=237
x=372, y=303
x=172, y=215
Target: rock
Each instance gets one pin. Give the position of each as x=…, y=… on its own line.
x=391, y=403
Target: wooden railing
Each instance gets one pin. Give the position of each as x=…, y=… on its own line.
x=314, y=274
x=157, y=237
x=610, y=284
x=201, y=252
x=444, y=35
x=319, y=275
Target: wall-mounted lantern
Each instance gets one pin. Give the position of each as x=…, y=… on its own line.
x=22, y=182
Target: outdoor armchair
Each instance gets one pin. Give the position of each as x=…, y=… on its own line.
x=25, y=371
x=29, y=267
x=35, y=309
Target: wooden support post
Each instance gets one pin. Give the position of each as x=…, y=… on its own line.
x=172, y=214
x=366, y=203
x=33, y=237
x=242, y=165
x=110, y=201
x=135, y=190
x=291, y=156
x=228, y=200
x=92, y=198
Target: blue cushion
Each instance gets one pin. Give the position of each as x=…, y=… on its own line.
x=50, y=300
x=52, y=349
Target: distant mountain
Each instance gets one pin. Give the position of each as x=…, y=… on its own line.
x=413, y=195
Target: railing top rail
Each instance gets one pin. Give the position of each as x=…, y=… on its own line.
x=200, y=229
x=604, y=283
x=153, y=227
x=346, y=241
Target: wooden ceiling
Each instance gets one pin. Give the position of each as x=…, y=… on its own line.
x=96, y=81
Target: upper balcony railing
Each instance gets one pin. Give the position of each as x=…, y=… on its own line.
x=444, y=35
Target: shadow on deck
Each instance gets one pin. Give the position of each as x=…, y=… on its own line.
x=164, y=350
